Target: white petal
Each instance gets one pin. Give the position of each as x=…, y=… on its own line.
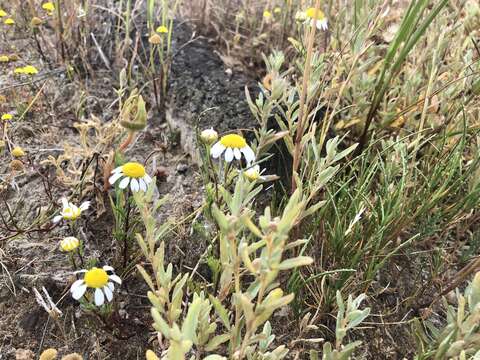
x=80, y=271
x=115, y=278
x=64, y=202
x=57, y=218
x=143, y=185
x=147, y=179
x=114, y=178
x=111, y=286
x=134, y=185
x=118, y=169
x=99, y=297
x=85, y=205
x=237, y=153
x=76, y=284
x=124, y=183
x=229, y=155
x=108, y=268
x=217, y=150
x=248, y=153
x=108, y=293
x=79, y=291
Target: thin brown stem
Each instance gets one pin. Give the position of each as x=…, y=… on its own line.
x=302, y=113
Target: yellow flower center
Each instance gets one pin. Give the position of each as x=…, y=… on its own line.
x=133, y=170
x=96, y=278
x=233, y=141
x=311, y=14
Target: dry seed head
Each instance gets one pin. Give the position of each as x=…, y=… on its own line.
x=16, y=165
x=73, y=356
x=49, y=354
x=155, y=39
x=36, y=22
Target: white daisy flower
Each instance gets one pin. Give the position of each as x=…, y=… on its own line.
x=70, y=211
x=209, y=136
x=70, y=243
x=234, y=146
x=134, y=174
x=98, y=279
x=320, y=20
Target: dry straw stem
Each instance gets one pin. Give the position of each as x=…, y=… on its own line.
x=302, y=113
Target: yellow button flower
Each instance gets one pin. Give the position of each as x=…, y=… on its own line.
x=70, y=243
x=4, y=58
x=30, y=70
x=9, y=21
x=6, y=117
x=162, y=29
x=2, y=13
x=18, y=152
x=267, y=14
x=100, y=279
x=48, y=6
x=277, y=10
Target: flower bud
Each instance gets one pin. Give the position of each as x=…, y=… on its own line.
x=133, y=116
x=209, y=136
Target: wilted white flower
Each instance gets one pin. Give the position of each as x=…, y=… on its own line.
x=209, y=136
x=70, y=211
x=253, y=173
x=317, y=18
x=69, y=243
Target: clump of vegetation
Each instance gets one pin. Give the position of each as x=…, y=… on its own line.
x=343, y=225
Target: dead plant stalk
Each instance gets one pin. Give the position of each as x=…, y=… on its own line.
x=302, y=114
